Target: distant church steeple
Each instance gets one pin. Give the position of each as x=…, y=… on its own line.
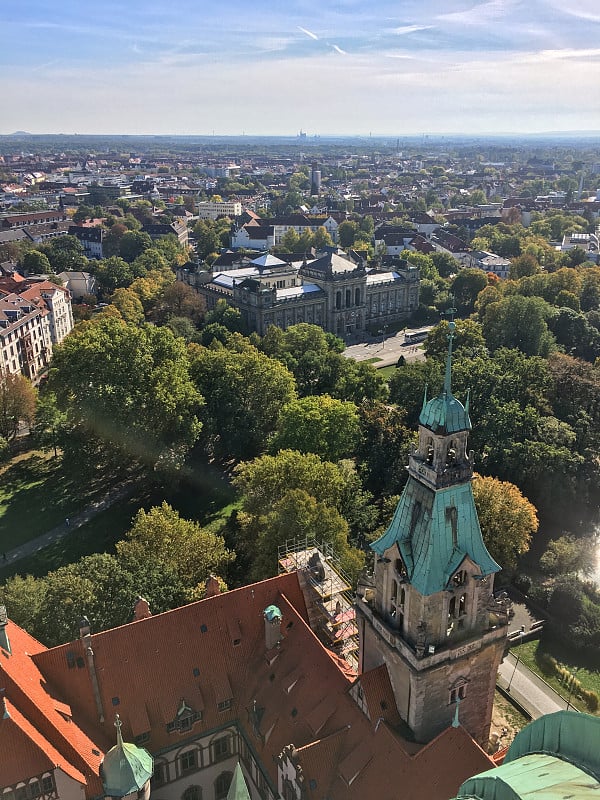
x=431, y=617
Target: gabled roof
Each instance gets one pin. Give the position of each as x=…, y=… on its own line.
x=26, y=752
x=44, y=711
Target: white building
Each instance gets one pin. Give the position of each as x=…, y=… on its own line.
x=213, y=210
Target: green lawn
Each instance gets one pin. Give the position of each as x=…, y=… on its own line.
x=387, y=372
x=586, y=674
x=372, y=360
x=35, y=496
x=205, y=497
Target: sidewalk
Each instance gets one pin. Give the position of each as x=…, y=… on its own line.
x=528, y=689
x=72, y=523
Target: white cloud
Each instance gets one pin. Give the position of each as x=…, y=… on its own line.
x=308, y=33
x=339, y=50
x=480, y=14
x=405, y=29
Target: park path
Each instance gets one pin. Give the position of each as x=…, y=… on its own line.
x=71, y=523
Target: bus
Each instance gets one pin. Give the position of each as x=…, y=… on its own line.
x=418, y=335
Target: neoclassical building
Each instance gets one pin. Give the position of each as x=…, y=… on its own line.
x=335, y=290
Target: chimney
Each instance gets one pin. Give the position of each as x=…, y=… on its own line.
x=86, y=640
x=141, y=609
x=4, y=640
x=272, y=617
x=213, y=587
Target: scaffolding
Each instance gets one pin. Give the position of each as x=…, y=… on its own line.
x=328, y=593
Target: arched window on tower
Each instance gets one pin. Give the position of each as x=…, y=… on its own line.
x=451, y=454
x=338, y=300
x=430, y=451
x=357, y=297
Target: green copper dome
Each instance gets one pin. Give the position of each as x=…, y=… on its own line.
x=125, y=768
x=445, y=414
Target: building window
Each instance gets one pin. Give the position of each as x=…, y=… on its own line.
x=143, y=738
x=224, y=705
x=192, y=793
x=160, y=775
x=458, y=693
x=221, y=748
x=222, y=785
x=188, y=760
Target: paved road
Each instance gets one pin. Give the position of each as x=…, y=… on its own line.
x=387, y=351
x=528, y=689
x=76, y=521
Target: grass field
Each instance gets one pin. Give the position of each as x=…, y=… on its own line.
x=42, y=497
x=586, y=674
x=387, y=372
x=36, y=496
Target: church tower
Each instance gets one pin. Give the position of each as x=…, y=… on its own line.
x=430, y=615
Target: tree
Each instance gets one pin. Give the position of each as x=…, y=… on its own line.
x=24, y=596
x=567, y=555
x=523, y=266
x=50, y=425
x=408, y=383
x=129, y=388
x=468, y=339
x=17, y=404
x=245, y=392
x=519, y=322
x=507, y=519
x=132, y=244
x=321, y=239
x=296, y=515
x=190, y=551
x=36, y=263
x=266, y=479
x=113, y=273
x=128, y=305
x=207, y=239
x=347, y=233
x=466, y=286
x=180, y=300
x=321, y=425
x=383, y=449
x=65, y=253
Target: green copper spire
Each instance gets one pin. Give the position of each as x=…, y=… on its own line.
x=126, y=768
x=444, y=413
x=448, y=377
x=238, y=789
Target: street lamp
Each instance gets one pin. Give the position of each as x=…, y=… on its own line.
x=574, y=675
x=520, y=640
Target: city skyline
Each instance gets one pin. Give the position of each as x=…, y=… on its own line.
x=498, y=66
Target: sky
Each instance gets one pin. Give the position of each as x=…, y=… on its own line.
x=274, y=67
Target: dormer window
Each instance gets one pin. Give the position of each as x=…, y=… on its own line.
x=460, y=578
x=184, y=719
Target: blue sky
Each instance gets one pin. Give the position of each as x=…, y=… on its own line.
x=272, y=67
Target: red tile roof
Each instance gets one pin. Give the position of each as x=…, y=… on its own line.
x=45, y=710
x=214, y=651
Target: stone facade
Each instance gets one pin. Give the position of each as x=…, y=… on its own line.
x=335, y=290
x=429, y=613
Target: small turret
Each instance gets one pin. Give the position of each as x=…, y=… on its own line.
x=272, y=617
x=126, y=769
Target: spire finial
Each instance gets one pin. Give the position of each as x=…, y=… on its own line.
x=456, y=721
x=451, y=328
x=118, y=725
